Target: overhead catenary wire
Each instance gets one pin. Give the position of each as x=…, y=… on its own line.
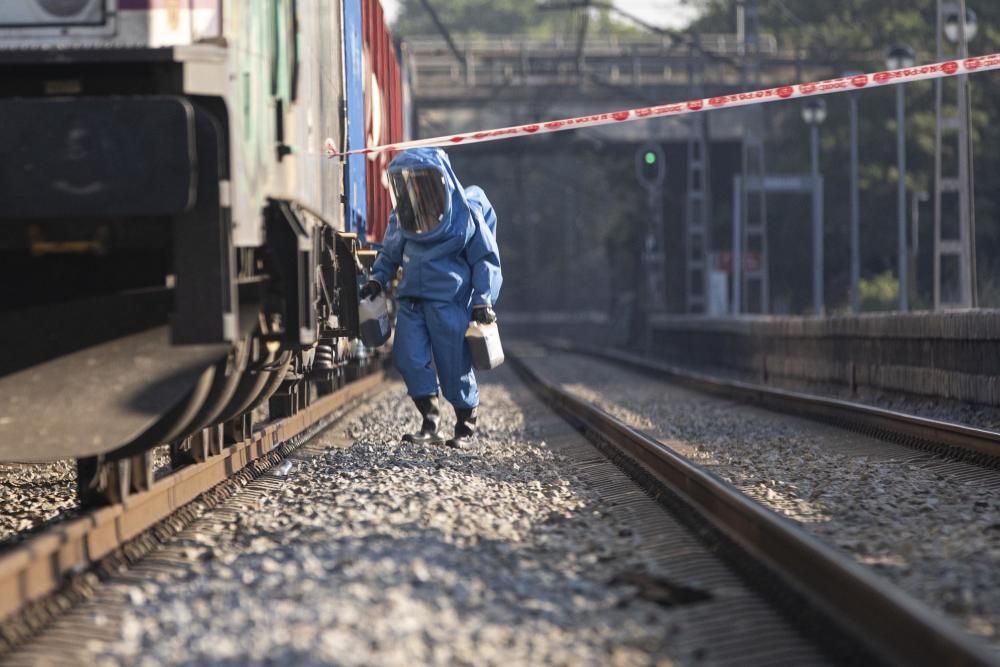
x=676, y=36
x=445, y=33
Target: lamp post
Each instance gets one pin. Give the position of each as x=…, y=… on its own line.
x=852, y=105
x=900, y=57
x=953, y=27
x=814, y=113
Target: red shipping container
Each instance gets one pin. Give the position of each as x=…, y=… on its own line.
x=383, y=111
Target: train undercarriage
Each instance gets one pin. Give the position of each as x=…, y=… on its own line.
x=132, y=318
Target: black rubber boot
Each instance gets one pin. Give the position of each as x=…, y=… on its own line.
x=428, y=433
x=465, y=428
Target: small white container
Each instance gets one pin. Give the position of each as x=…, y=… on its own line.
x=484, y=343
x=374, y=316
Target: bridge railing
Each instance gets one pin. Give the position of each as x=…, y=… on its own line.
x=615, y=61
x=721, y=44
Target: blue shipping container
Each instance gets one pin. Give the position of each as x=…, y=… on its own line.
x=354, y=89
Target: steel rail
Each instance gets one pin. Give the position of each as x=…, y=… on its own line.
x=891, y=624
x=42, y=564
x=957, y=440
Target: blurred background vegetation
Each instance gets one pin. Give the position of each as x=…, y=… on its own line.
x=849, y=34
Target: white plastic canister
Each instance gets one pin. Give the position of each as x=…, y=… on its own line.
x=374, y=316
x=484, y=343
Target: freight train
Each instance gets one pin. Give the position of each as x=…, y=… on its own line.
x=178, y=258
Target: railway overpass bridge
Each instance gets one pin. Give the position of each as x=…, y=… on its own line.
x=499, y=82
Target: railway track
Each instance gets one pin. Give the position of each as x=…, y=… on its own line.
x=807, y=579
x=50, y=561
x=949, y=439
x=531, y=548
x=770, y=548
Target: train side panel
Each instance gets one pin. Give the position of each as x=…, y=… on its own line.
x=251, y=115
x=287, y=73
x=331, y=89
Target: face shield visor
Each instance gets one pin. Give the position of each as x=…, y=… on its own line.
x=419, y=197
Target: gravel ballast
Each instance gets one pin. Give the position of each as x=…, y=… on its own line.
x=367, y=551
x=930, y=526
x=34, y=494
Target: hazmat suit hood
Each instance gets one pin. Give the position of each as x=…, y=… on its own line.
x=447, y=251
x=455, y=218
x=480, y=203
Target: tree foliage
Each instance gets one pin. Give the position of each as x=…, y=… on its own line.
x=854, y=35
x=502, y=18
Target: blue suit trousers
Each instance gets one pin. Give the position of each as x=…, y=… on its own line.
x=431, y=335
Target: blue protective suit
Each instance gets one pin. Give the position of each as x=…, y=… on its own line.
x=446, y=272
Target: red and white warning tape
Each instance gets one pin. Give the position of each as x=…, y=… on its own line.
x=843, y=84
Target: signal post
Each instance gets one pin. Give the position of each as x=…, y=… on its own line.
x=651, y=172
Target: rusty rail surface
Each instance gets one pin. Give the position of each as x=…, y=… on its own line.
x=40, y=565
x=888, y=622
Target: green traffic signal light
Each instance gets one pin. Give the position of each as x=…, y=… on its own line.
x=649, y=165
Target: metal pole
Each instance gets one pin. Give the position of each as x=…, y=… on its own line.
x=967, y=236
x=938, y=118
x=654, y=248
x=741, y=202
x=852, y=100
x=904, y=300
x=737, y=256
x=916, y=199
x=817, y=222
x=568, y=232
x=530, y=235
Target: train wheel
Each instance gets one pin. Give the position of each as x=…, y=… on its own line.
x=194, y=403
x=200, y=447
x=252, y=382
x=141, y=473
x=216, y=439
x=239, y=429
x=178, y=456
x=284, y=363
x=228, y=375
x=170, y=426
x=192, y=449
x=100, y=482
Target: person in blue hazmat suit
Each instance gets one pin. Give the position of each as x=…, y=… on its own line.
x=443, y=237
